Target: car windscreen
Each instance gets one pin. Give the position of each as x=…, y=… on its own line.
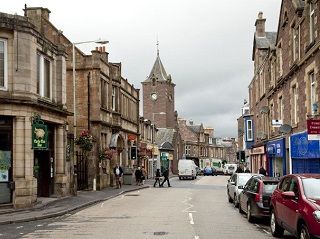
x=269, y=187
x=311, y=187
x=231, y=167
x=243, y=179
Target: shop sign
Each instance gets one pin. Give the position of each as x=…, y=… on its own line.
x=155, y=150
x=259, y=150
x=39, y=134
x=276, y=148
x=301, y=147
x=5, y=165
x=313, y=129
x=164, y=158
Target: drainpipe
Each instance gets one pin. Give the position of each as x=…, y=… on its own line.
x=88, y=82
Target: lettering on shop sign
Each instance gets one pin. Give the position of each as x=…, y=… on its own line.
x=39, y=134
x=313, y=126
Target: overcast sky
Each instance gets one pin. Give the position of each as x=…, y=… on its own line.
x=206, y=46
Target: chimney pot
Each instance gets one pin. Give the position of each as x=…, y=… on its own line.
x=103, y=49
x=97, y=48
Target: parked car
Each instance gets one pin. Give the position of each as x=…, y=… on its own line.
x=199, y=171
x=254, y=200
x=235, y=186
x=295, y=206
x=207, y=171
x=229, y=168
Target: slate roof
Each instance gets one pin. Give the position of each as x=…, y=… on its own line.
x=158, y=72
x=195, y=128
x=165, y=136
x=266, y=42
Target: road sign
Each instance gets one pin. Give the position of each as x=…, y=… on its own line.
x=313, y=129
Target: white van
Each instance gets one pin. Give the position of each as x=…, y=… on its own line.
x=187, y=169
x=230, y=168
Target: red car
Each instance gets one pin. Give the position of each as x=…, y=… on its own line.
x=295, y=206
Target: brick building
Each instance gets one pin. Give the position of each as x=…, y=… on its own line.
x=284, y=92
x=159, y=107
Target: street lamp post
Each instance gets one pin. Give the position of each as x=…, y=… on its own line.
x=74, y=80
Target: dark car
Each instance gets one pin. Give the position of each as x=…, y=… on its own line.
x=208, y=171
x=254, y=199
x=295, y=206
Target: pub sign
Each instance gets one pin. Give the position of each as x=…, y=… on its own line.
x=39, y=135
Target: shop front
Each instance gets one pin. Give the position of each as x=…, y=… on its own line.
x=258, y=158
x=6, y=181
x=305, y=154
x=276, y=153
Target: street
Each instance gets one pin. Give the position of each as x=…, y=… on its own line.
x=189, y=209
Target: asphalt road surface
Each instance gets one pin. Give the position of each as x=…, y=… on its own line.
x=190, y=209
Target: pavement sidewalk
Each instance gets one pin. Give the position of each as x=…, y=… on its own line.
x=61, y=206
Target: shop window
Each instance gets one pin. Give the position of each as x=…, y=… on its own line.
x=43, y=76
x=3, y=64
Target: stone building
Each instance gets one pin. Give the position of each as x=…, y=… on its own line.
x=148, y=149
x=33, y=111
x=108, y=107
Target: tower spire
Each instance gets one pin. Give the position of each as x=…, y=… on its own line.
x=157, y=46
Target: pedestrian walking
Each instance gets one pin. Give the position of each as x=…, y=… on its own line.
x=239, y=169
x=166, y=178
x=138, y=174
x=158, y=175
x=247, y=170
x=118, y=172
x=144, y=175
x=262, y=171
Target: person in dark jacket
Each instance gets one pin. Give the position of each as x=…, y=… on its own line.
x=158, y=175
x=166, y=178
x=239, y=169
x=138, y=175
x=247, y=170
x=118, y=172
x=262, y=171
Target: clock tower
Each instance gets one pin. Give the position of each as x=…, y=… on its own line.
x=158, y=97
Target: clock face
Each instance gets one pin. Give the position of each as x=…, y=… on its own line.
x=154, y=96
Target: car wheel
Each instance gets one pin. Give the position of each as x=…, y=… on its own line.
x=180, y=178
x=304, y=232
x=235, y=201
x=276, y=229
x=249, y=213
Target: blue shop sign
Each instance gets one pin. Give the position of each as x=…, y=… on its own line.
x=276, y=148
x=303, y=148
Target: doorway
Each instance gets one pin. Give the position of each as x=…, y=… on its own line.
x=44, y=167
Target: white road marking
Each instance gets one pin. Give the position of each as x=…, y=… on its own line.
x=102, y=204
x=122, y=197
x=19, y=227
x=196, y=237
x=266, y=231
x=191, y=219
x=40, y=225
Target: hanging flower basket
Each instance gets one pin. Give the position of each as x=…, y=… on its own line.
x=85, y=141
x=107, y=154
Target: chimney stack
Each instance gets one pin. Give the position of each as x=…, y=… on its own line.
x=260, y=25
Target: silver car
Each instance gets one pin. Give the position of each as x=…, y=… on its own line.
x=235, y=186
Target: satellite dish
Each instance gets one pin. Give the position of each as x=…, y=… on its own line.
x=285, y=128
x=264, y=109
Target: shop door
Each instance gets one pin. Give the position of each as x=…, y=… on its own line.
x=44, y=163
x=5, y=160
